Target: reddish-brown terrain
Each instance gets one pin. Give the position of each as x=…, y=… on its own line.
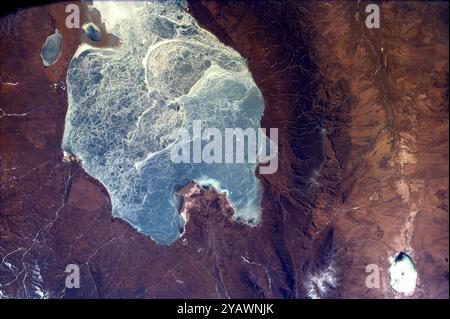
x=363, y=174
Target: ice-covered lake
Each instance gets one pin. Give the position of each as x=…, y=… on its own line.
x=125, y=103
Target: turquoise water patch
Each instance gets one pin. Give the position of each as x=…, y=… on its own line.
x=93, y=33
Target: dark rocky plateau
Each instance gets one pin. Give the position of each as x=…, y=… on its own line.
x=363, y=174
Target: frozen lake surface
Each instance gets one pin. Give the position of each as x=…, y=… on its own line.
x=51, y=49
x=125, y=103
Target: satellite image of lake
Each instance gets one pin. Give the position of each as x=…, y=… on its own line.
x=126, y=103
x=224, y=154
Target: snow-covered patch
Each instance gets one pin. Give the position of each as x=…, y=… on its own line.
x=403, y=274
